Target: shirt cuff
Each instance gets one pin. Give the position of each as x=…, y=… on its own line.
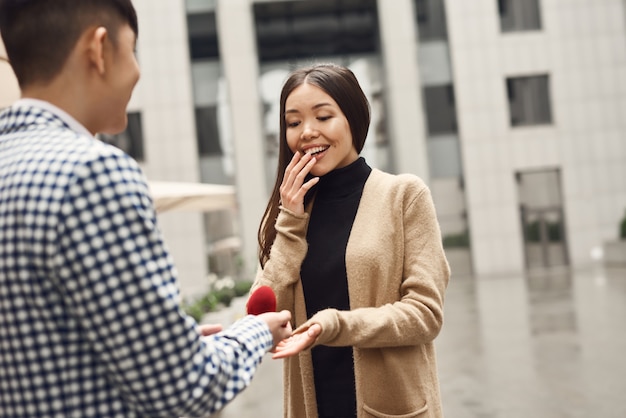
x=252, y=332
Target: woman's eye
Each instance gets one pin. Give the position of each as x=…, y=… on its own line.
x=323, y=118
x=292, y=124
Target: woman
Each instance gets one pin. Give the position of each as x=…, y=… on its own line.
x=356, y=255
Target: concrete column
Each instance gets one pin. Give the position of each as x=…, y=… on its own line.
x=235, y=24
x=164, y=97
x=398, y=35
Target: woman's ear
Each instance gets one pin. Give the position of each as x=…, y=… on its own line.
x=96, y=48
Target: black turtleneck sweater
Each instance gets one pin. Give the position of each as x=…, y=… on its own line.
x=325, y=283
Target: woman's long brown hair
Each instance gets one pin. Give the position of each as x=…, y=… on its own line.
x=339, y=83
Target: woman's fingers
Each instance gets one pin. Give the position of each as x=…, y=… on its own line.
x=294, y=188
x=297, y=169
x=297, y=342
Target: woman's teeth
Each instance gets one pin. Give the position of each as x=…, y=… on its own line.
x=316, y=150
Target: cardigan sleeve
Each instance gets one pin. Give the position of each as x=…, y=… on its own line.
x=282, y=269
x=416, y=315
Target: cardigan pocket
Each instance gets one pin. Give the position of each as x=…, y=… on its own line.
x=370, y=412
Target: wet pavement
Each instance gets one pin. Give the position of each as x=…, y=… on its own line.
x=546, y=345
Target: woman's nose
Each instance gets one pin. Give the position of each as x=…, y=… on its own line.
x=309, y=131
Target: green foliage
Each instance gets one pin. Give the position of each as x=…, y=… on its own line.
x=194, y=310
x=622, y=229
x=221, y=293
x=242, y=287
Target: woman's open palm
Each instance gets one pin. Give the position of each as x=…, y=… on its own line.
x=297, y=342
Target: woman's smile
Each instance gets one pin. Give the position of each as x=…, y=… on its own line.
x=315, y=124
x=318, y=152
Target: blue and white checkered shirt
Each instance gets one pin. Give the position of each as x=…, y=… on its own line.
x=90, y=323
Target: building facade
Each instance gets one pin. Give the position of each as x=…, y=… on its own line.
x=510, y=110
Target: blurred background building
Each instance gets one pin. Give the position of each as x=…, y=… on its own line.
x=512, y=111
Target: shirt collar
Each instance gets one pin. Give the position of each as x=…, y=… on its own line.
x=58, y=112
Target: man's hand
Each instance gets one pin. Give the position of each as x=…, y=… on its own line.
x=297, y=342
x=279, y=325
x=210, y=329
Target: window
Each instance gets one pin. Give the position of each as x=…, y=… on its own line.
x=440, y=109
x=431, y=20
x=421, y=11
x=131, y=140
x=529, y=101
x=519, y=15
x=292, y=30
x=202, y=29
x=207, y=130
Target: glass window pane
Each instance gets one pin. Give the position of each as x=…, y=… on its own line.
x=440, y=109
x=431, y=20
x=519, y=15
x=207, y=130
x=292, y=30
x=131, y=140
x=529, y=100
x=202, y=29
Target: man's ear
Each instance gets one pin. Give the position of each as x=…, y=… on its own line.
x=96, y=45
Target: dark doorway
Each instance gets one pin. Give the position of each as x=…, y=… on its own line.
x=542, y=218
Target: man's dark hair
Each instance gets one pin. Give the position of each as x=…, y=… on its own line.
x=39, y=35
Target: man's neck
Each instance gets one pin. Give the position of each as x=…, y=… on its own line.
x=65, y=96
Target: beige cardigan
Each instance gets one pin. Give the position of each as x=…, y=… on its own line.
x=397, y=276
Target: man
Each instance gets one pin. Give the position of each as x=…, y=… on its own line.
x=90, y=323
